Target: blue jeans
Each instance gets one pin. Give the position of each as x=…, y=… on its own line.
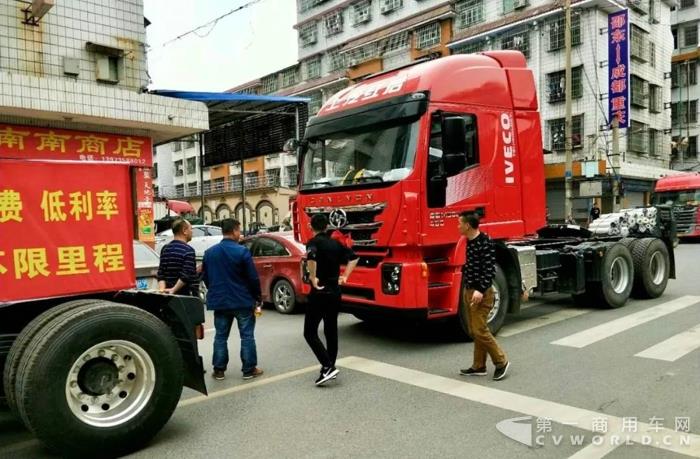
x=223, y=320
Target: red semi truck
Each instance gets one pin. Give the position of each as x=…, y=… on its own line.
x=91, y=365
x=682, y=192
x=393, y=160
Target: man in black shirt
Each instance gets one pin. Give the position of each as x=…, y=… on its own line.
x=479, y=272
x=177, y=271
x=325, y=255
x=595, y=212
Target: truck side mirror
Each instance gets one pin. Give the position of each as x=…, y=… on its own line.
x=454, y=144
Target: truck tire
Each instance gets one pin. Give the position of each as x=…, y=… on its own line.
x=651, y=268
x=101, y=380
x=498, y=313
x=25, y=337
x=283, y=297
x=617, y=277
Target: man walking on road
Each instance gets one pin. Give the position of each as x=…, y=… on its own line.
x=325, y=255
x=233, y=291
x=479, y=272
x=177, y=271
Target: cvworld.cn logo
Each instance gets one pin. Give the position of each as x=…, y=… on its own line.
x=518, y=429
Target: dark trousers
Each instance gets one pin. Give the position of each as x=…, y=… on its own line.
x=323, y=306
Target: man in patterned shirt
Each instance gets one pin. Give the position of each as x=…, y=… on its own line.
x=478, y=274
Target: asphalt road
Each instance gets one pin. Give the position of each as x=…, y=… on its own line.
x=575, y=372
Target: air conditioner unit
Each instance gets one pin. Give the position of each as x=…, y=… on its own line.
x=36, y=10
x=518, y=4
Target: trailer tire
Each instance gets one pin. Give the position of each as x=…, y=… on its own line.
x=651, y=268
x=498, y=313
x=617, y=277
x=102, y=380
x=25, y=337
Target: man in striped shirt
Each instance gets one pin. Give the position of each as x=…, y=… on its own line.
x=479, y=272
x=177, y=272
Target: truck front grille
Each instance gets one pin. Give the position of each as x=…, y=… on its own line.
x=360, y=221
x=685, y=219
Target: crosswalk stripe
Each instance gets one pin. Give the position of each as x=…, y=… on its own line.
x=541, y=321
x=606, y=330
x=675, y=347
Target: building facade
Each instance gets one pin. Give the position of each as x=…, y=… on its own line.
x=684, y=82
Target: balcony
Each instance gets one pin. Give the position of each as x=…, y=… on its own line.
x=226, y=186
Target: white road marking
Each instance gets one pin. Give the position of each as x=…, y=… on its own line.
x=675, y=347
x=541, y=321
x=667, y=439
x=606, y=330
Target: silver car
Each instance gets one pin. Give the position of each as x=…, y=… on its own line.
x=146, y=262
x=203, y=237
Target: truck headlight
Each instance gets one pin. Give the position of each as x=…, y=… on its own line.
x=391, y=279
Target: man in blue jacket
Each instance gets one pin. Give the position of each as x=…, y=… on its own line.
x=233, y=290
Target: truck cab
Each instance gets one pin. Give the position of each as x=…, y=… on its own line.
x=682, y=192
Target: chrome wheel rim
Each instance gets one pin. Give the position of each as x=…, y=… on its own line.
x=283, y=297
x=496, y=304
x=619, y=275
x=657, y=268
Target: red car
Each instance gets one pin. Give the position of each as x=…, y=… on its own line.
x=278, y=259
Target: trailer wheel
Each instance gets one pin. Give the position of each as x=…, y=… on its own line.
x=105, y=378
x=496, y=316
x=23, y=340
x=651, y=268
x=617, y=277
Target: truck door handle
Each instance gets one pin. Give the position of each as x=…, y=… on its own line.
x=267, y=266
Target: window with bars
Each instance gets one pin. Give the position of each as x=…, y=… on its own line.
x=684, y=73
x=315, y=102
x=556, y=84
x=179, y=172
x=652, y=12
x=518, y=41
x=428, y=36
x=511, y=5
x=313, y=68
x=469, y=12
x=690, y=36
x=308, y=34
x=557, y=132
x=290, y=77
x=361, y=12
x=656, y=142
x=656, y=104
x=652, y=54
x=641, y=6
x=363, y=53
x=336, y=60
x=396, y=42
x=640, y=92
x=684, y=113
x=269, y=84
x=333, y=23
x=687, y=3
x=387, y=6
x=556, y=32
x=191, y=165
x=638, y=137
x=475, y=46
x=639, y=43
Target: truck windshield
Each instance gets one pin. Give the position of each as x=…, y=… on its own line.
x=373, y=154
x=677, y=197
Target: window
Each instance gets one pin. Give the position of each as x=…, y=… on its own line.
x=315, y=103
x=640, y=89
x=557, y=133
x=144, y=255
x=638, y=137
x=192, y=189
x=512, y=5
x=308, y=34
x=313, y=68
x=652, y=12
x=396, y=42
x=692, y=151
x=475, y=46
x=684, y=73
x=639, y=43
x=428, y=36
x=155, y=170
x=469, y=12
x=333, y=23
x=292, y=175
x=640, y=6
x=556, y=84
x=674, y=32
x=519, y=41
x=684, y=113
x=363, y=53
x=235, y=181
x=269, y=84
x=266, y=247
x=655, y=98
x=219, y=185
x=687, y=3
x=656, y=142
x=251, y=179
x=177, y=146
x=108, y=68
x=652, y=54
x=179, y=191
x=178, y=169
x=361, y=12
x=336, y=60
x=189, y=143
x=290, y=77
x=556, y=32
x=387, y=6
x=191, y=165
x=198, y=231
x=690, y=36
x=435, y=151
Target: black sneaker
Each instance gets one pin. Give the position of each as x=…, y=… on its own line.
x=218, y=375
x=473, y=372
x=500, y=373
x=326, y=375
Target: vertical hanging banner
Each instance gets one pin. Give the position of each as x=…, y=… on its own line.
x=618, y=67
x=144, y=205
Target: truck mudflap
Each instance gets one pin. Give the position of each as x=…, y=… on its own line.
x=182, y=314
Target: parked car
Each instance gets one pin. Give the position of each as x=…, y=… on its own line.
x=278, y=260
x=146, y=261
x=203, y=237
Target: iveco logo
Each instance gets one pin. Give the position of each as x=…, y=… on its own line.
x=338, y=218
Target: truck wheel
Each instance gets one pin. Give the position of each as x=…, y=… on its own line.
x=496, y=316
x=283, y=297
x=105, y=378
x=23, y=340
x=651, y=268
x=617, y=277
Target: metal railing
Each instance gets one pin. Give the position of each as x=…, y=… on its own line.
x=227, y=186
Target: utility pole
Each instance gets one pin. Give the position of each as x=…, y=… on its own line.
x=568, y=172
x=616, y=164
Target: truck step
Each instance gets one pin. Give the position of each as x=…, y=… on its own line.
x=432, y=312
x=435, y=285
x=435, y=261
